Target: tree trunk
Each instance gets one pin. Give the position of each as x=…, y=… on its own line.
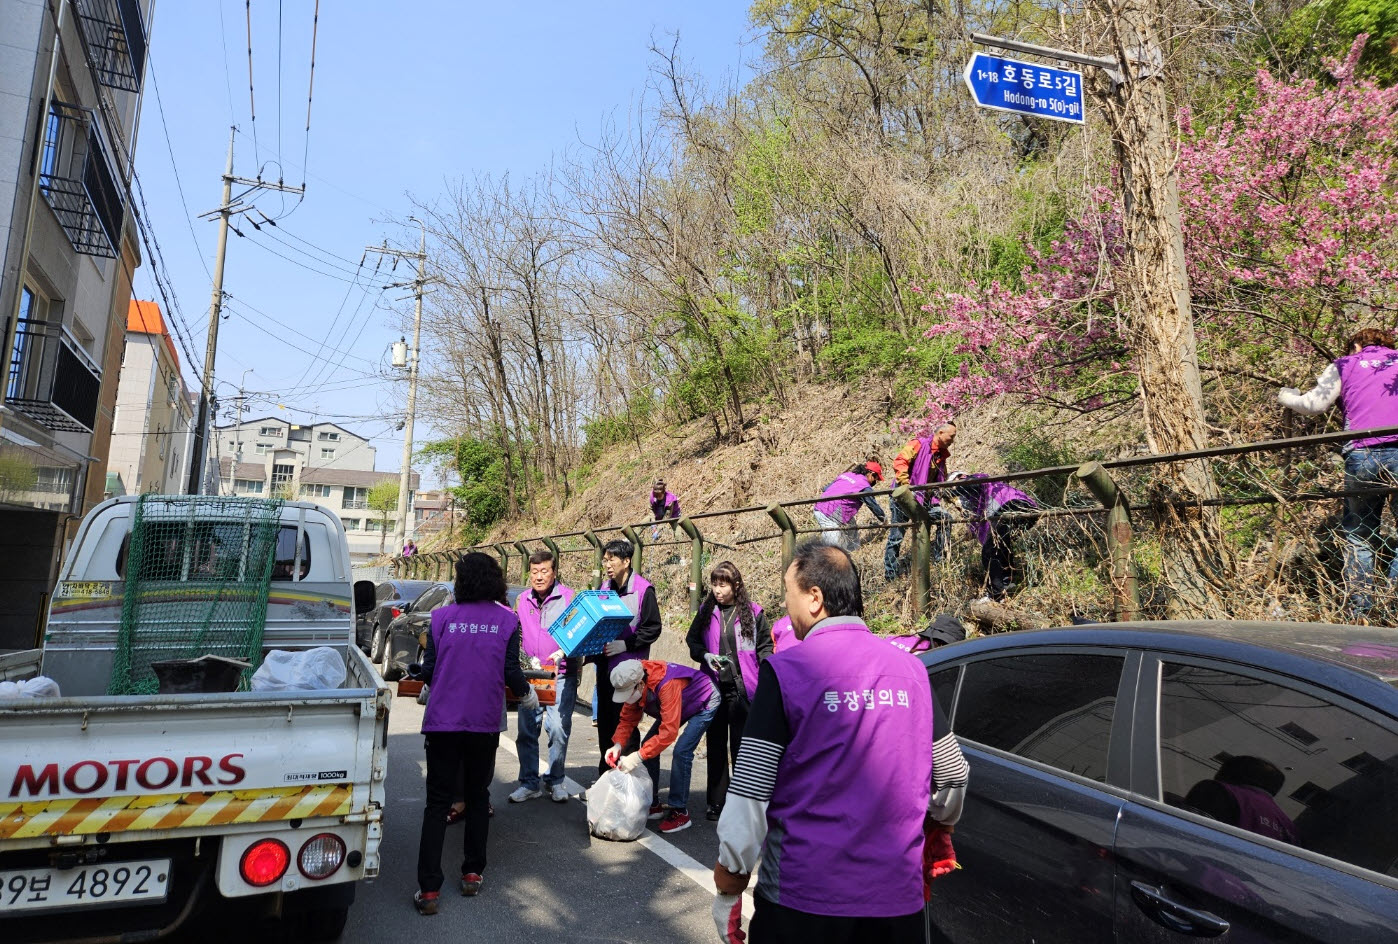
x=1196, y=558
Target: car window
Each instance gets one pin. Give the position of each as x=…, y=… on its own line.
x=384, y=591
x=1280, y=762
x=205, y=550
x=430, y=599
x=944, y=688
x=284, y=562
x=1052, y=708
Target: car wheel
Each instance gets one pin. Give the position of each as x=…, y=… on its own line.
x=379, y=643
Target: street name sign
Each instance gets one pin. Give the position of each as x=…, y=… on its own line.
x=1025, y=88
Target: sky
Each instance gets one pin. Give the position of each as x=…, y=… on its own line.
x=406, y=98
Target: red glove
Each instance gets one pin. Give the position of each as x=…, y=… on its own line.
x=938, y=856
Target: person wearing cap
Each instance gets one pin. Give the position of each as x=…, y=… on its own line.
x=842, y=780
x=673, y=695
x=842, y=499
x=663, y=504
x=997, y=512
x=922, y=461
x=538, y=608
x=637, y=594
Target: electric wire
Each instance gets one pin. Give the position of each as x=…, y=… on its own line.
x=157, y=262
x=310, y=90
x=279, y=81
x=252, y=101
x=170, y=148
x=243, y=310
x=227, y=74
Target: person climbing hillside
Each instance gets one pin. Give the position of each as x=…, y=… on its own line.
x=663, y=504
x=998, y=512
x=1365, y=381
x=842, y=500
x=922, y=461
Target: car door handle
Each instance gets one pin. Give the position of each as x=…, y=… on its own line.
x=1182, y=919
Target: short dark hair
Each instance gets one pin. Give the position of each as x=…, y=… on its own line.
x=1370, y=337
x=1245, y=770
x=479, y=577
x=619, y=548
x=832, y=570
x=542, y=556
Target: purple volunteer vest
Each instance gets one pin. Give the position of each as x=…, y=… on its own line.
x=468, y=682
x=844, y=826
x=635, y=592
x=988, y=498
x=783, y=636
x=696, y=694
x=747, y=648
x=1258, y=813
x=1369, y=389
x=658, y=507
x=845, y=509
x=922, y=471
x=535, y=620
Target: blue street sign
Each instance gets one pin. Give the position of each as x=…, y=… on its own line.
x=1026, y=88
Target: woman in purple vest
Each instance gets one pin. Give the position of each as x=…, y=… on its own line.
x=1366, y=381
x=472, y=654
x=842, y=500
x=728, y=637
x=837, y=781
x=663, y=504
x=997, y=512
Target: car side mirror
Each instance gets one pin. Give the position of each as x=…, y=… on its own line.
x=364, y=599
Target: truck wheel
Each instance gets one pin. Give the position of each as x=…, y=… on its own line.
x=322, y=924
x=318, y=914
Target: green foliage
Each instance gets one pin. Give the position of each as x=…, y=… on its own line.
x=1326, y=28
x=1029, y=448
x=611, y=429
x=483, y=495
x=876, y=352
x=727, y=351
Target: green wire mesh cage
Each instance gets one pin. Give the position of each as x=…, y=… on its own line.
x=197, y=571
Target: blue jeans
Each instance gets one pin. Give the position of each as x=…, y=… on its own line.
x=940, y=535
x=557, y=720
x=1374, y=467
x=682, y=763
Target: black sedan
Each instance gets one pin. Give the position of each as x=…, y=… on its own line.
x=391, y=597
x=407, y=633
x=1155, y=782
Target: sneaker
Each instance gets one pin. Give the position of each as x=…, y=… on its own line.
x=558, y=793
x=712, y=813
x=425, y=902
x=471, y=884
x=656, y=811
x=674, y=821
x=523, y=793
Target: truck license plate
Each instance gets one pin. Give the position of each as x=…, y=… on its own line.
x=108, y=884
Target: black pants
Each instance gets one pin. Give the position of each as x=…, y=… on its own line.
x=722, y=741
x=774, y=924
x=608, y=716
x=454, y=757
x=997, y=554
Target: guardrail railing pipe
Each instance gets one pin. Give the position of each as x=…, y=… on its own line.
x=630, y=534
x=922, y=549
x=596, y=542
x=523, y=563
x=1126, y=594
x=504, y=551
x=778, y=514
x=696, y=564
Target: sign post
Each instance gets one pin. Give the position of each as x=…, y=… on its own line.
x=1026, y=88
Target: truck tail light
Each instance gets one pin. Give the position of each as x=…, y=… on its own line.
x=264, y=862
x=321, y=856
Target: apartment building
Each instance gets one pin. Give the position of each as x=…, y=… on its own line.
x=320, y=462
x=71, y=77
x=153, y=431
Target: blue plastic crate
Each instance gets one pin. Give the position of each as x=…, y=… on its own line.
x=593, y=619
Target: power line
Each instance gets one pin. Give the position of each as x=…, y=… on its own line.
x=310, y=89
x=355, y=341
x=252, y=101
x=170, y=148
x=326, y=258
x=274, y=324
x=338, y=275
x=227, y=76
x=279, y=80
x=157, y=262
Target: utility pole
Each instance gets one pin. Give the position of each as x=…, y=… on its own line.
x=227, y=209
x=418, y=285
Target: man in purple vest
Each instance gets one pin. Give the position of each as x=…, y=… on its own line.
x=842, y=500
x=997, y=512
x=1366, y=380
x=673, y=695
x=922, y=461
x=835, y=782
x=639, y=596
x=472, y=654
x=538, y=607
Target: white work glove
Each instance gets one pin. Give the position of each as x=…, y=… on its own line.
x=613, y=755
x=712, y=660
x=728, y=919
x=614, y=648
x=530, y=701
x=557, y=657
x=534, y=663
x=629, y=763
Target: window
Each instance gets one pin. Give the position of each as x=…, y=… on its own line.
x=315, y=491
x=1230, y=750
x=356, y=497
x=275, y=432
x=328, y=437
x=265, y=448
x=247, y=486
x=208, y=549
x=351, y=524
x=944, y=687
x=1055, y=708
x=431, y=598
x=327, y=453
x=291, y=544
x=373, y=524
x=282, y=475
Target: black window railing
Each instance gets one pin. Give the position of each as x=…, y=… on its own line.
x=51, y=380
x=116, y=41
x=77, y=182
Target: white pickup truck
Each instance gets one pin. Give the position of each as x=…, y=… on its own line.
x=122, y=816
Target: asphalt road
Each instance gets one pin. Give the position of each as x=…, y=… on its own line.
x=547, y=878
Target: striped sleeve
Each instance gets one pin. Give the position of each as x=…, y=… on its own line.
x=950, y=776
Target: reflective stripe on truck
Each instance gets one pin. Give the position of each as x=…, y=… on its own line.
x=170, y=811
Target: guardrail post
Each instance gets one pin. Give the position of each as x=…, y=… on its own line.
x=523, y=563
x=399, y=565
x=696, y=564
x=413, y=567
x=922, y=549
x=504, y=551
x=630, y=534
x=783, y=520
x=1126, y=595
x=443, y=562
x=596, y=542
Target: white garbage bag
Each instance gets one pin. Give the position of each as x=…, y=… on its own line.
x=313, y=670
x=40, y=686
x=617, y=805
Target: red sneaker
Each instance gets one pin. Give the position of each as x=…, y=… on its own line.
x=674, y=822
x=425, y=902
x=471, y=884
x=656, y=811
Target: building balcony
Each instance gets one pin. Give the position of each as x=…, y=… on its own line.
x=116, y=41
x=76, y=180
x=51, y=380
x=355, y=504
